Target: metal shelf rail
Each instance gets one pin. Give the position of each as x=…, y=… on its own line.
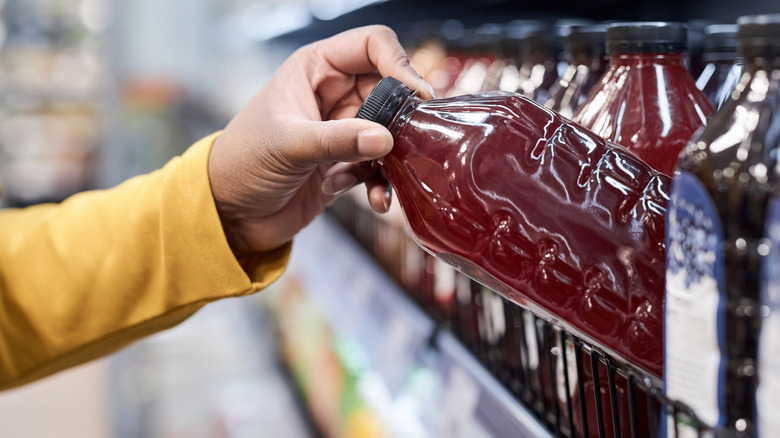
x=628, y=403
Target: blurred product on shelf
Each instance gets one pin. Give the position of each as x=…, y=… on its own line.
x=463, y=167
x=389, y=372
x=722, y=69
x=539, y=48
x=482, y=45
x=46, y=152
x=51, y=81
x=647, y=101
x=717, y=243
x=695, y=52
x=511, y=53
x=584, y=48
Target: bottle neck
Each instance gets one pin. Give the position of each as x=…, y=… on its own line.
x=402, y=113
x=639, y=59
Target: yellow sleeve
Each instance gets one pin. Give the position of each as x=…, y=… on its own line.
x=88, y=276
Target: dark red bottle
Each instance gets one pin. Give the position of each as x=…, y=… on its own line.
x=535, y=207
x=584, y=48
x=647, y=101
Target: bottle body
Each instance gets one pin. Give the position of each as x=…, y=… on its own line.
x=718, y=79
x=716, y=246
x=648, y=103
x=584, y=47
x=539, y=210
x=570, y=91
x=721, y=69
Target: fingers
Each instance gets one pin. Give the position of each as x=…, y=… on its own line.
x=380, y=195
x=347, y=140
x=343, y=176
x=366, y=49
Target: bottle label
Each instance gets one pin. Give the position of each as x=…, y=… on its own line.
x=529, y=327
x=693, y=324
x=768, y=391
x=492, y=319
x=571, y=369
x=444, y=282
x=414, y=261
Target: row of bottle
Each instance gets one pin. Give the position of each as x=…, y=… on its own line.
x=553, y=217
x=555, y=66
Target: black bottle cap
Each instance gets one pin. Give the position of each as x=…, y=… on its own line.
x=586, y=41
x=759, y=36
x=384, y=100
x=720, y=38
x=646, y=37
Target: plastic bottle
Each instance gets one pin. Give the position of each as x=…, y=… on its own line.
x=718, y=212
x=511, y=49
x=722, y=69
x=539, y=69
x=584, y=46
x=534, y=207
x=646, y=101
x=695, y=52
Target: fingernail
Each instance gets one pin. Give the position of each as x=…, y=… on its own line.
x=374, y=143
x=430, y=90
x=387, y=198
x=339, y=183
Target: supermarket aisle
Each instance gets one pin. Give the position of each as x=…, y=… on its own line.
x=71, y=404
x=217, y=375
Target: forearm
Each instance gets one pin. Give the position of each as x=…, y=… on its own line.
x=83, y=278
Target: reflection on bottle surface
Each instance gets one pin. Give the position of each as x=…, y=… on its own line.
x=536, y=208
x=647, y=101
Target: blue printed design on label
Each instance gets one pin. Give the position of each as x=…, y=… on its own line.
x=694, y=367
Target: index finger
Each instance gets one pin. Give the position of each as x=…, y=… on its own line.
x=371, y=48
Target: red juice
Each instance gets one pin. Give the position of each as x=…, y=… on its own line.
x=535, y=207
x=647, y=101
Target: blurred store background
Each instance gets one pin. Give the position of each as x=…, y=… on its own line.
x=96, y=91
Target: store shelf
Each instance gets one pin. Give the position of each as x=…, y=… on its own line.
x=415, y=380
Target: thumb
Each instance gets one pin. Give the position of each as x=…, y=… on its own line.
x=338, y=140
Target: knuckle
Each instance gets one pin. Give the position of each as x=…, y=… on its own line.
x=383, y=30
x=325, y=139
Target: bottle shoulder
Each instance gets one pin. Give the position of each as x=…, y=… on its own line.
x=749, y=120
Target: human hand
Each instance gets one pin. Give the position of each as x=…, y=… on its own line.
x=296, y=146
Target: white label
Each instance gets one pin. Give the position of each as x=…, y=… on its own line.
x=463, y=289
x=530, y=340
x=768, y=391
x=571, y=369
x=444, y=283
x=692, y=351
x=413, y=263
x=493, y=320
